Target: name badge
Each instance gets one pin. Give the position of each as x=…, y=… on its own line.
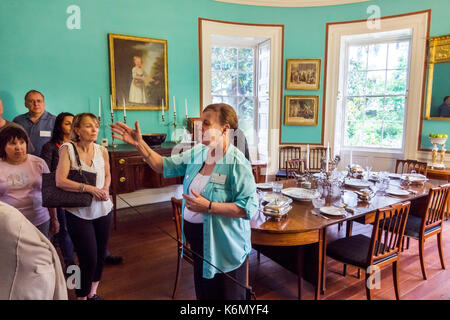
x=218, y=178
x=46, y=133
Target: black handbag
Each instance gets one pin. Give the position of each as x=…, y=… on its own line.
x=54, y=197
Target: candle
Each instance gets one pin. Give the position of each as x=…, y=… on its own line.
x=110, y=99
x=99, y=107
x=307, y=157
x=174, y=107
x=328, y=156
x=185, y=101
x=124, y=108
x=351, y=157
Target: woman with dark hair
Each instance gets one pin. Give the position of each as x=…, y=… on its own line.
x=60, y=135
x=21, y=180
x=219, y=199
x=89, y=227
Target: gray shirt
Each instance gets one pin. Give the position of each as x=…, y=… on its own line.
x=40, y=131
x=444, y=110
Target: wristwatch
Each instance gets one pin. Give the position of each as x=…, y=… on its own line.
x=209, y=208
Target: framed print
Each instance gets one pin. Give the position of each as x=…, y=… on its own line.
x=301, y=110
x=138, y=72
x=303, y=74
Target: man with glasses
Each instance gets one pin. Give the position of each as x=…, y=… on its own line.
x=37, y=122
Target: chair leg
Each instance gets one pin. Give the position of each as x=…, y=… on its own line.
x=407, y=243
x=368, y=293
x=339, y=226
x=178, y=274
x=348, y=232
x=421, y=256
x=395, y=276
x=441, y=252
x=258, y=256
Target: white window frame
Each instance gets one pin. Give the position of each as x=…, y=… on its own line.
x=418, y=23
x=400, y=35
x=275, y=33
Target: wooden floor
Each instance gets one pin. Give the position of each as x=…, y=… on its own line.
x=148, y=271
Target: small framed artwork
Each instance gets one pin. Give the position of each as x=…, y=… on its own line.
x=303, y=74
x=301, y=110
x=138, y=72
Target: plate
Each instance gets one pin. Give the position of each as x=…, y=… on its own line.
x=395, y=175
x=397, y=192
x=333, y=211
x=264, y=185
x=300, y=194
x=356, y=183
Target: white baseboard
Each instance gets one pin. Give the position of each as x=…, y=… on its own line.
x=149, y=196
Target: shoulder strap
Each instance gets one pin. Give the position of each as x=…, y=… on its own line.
x=77, y=157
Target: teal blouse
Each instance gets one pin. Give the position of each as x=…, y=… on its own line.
x=226, y=240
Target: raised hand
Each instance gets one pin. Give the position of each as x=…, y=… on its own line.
x=126, y=133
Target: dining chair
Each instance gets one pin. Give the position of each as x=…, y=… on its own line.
x=187, y=255
x=381, y=249
x=406, y=166
x=286, y=153
x=315, y=158
x=294, y=168
x=430, y=223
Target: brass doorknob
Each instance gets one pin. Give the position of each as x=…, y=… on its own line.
x=122, y=179
x=122, y=161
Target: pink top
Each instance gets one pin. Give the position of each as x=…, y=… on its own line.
x=20, y=187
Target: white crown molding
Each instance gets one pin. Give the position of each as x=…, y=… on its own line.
x=292, y=3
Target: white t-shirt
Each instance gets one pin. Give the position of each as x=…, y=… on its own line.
x=197, y=184
x=98, y=208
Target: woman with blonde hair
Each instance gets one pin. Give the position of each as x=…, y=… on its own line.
x=88, y=227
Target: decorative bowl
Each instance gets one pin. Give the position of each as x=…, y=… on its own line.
x=154, y=139
x=438, y=140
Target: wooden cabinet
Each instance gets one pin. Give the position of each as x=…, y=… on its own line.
x=130, y=173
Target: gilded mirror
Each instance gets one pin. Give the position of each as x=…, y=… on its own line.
x=438, y=79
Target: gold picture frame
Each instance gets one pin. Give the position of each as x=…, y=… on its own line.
x=303, y=74
x=301, y=110
x=138, y=72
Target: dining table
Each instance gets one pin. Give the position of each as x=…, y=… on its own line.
x=298, y=240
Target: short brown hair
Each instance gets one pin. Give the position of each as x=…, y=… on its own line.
x=77, y=122
x=227, y=115
x=34, y=91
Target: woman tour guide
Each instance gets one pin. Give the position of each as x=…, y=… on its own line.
x=219, y=199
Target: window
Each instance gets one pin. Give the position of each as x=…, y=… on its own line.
x=374, y=100
x=239, y=77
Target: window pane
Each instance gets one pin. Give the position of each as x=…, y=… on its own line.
x=394, y=109
x=246, y=115
x=356, y=83
x=354, y=131
x=216, y=99
x=398, y=55
x=229, y=59
x=355, y=107
x=393, y=134
x=377, y=56
x=223, y=83
x=232, y=102
x=357, y=58
x=245, y=84
x=376, y=82
x=372, y=133
x=374, y=109
x=246, y=58
x=216, y=58
x=396, y=82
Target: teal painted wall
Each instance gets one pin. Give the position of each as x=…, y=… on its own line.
x=71, y=66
